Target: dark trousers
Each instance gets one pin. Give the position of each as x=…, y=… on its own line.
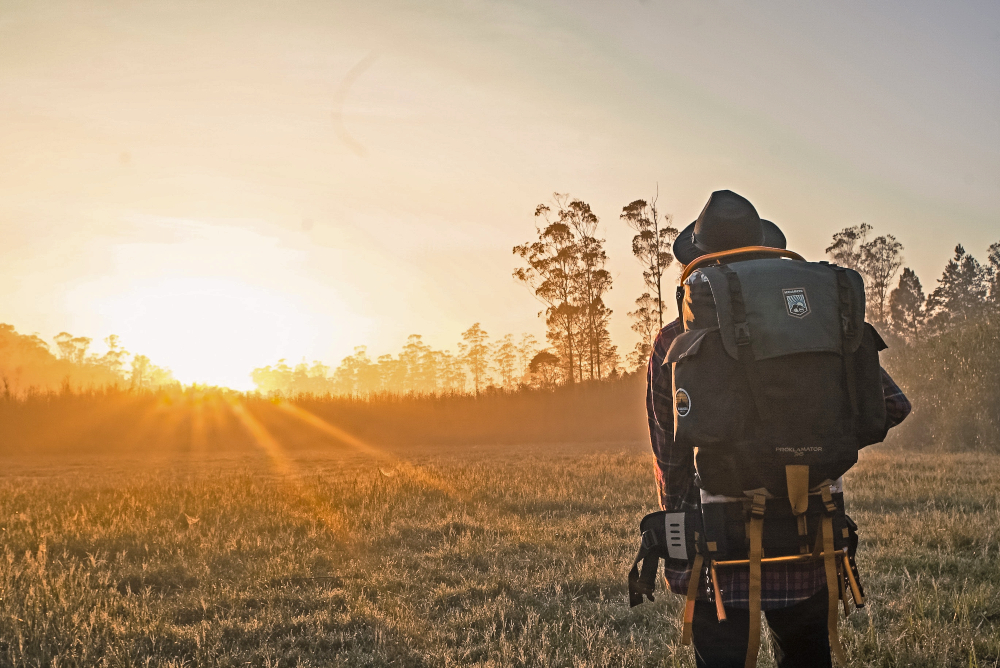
x=798, y=635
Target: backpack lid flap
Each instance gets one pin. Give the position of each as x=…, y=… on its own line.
x=791, y=307
x=686, y=344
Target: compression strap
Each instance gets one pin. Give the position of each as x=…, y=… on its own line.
x=846, y=307
x=797, y=479
x=832, y=588
x=741, y=332
x=756, y=534
x=692, y=595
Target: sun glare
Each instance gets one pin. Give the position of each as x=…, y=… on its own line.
x=209, y=330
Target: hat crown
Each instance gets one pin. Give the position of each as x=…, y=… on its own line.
x=727, y=221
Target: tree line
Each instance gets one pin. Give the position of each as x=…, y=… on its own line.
x=479, y=364
x=565, y=267
x=29, y=364
x=966, y=292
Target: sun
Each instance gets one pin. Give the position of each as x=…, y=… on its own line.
x=210, y=330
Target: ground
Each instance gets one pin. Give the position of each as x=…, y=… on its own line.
x=475, y=556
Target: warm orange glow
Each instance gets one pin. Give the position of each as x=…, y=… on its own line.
x=205, y=329
x=284, y=466
x=406, y=468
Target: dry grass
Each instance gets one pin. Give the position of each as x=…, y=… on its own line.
x=489, y=556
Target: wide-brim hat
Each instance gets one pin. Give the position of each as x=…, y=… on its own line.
x=728, y=221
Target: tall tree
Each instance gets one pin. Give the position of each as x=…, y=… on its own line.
x=526, y=350
x=114, y=359
x=646, y=324
x=880, y=259
x=453, y=376
x=961, y=292
x=141, y=371
x=545, y=369
x=906, y=305
x=475, y=354
x=505, y=361
x=392, y=374
x=357, y=375
x=994, y=265
x=847, y=244
x=651, y=245
x=72, y=348
x=593, y=281
x=552, y=271
x=421, y=369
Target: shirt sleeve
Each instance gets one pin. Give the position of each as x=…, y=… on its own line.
x=897, y=406
x=674, y=464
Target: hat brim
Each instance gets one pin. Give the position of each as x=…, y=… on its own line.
x=685, y=251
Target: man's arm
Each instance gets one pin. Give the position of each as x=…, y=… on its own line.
x=897, y=406
x=674, y=464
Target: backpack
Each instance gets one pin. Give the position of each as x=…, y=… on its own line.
x=777, y=386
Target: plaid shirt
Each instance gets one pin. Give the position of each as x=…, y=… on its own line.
x=782, y=585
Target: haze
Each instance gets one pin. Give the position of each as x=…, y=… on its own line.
x=226, y=184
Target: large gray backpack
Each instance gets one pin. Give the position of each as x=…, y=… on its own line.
x=777, y=385
x=776, y=366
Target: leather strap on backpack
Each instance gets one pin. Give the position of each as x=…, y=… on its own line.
x=756, y=535
x=692, y=595
x=830, y=565
x=797, y=480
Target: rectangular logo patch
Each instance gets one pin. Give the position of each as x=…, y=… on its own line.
x=795, y=302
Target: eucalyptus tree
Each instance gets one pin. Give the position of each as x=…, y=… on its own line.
x=651, y=245
x=593, y=281
x=881, y=259
x=475, y=351
x=552, y=272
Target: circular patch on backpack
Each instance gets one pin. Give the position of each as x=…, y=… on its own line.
x=682, y=401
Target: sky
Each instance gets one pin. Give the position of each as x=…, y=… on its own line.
x=225, y=184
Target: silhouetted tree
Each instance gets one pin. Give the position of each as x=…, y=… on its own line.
x=552, y=273
x=847, y=244
x=994, y=266
x=592, y=281
x=526, y=350
x=880, y=260
x=646, y=324
x=906, y=305
x=72, y=348
x=545, y=369
x=505, y=361
x=421, y=367
x=140, y=371
x=961, y=292
x=392, y=374
x=114, y=359
x=356, y=374
x=651, y=245
x=475, y=354
x=453, y=376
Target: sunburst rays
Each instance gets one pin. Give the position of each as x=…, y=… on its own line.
x=407, y=469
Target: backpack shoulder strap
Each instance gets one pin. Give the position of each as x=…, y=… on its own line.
x=742, y=332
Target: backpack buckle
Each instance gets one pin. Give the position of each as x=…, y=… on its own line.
x=848, y=324
x=649, y=540
x=742, y=334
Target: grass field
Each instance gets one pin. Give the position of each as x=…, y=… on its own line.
x=489, y=556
